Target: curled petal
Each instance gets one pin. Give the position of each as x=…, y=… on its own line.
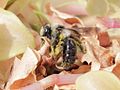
x=45, y=47
x=68, y=18
x=52, y=80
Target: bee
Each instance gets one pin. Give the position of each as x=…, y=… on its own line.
x=64, y=43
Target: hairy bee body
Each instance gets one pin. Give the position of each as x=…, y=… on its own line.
x=63, y=43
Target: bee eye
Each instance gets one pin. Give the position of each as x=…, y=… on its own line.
x=47, y=31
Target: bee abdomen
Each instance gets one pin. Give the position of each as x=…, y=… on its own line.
x=69, y=51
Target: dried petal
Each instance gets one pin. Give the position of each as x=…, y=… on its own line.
x=5, y=70
x=22, y=68
x=81, y=69
x=31, y=78
x=116, y=70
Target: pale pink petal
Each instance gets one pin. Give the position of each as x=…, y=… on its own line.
x=52, y=80
x=60, y=14
x=74, y=10
x=110, y=22
x=74, y=7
